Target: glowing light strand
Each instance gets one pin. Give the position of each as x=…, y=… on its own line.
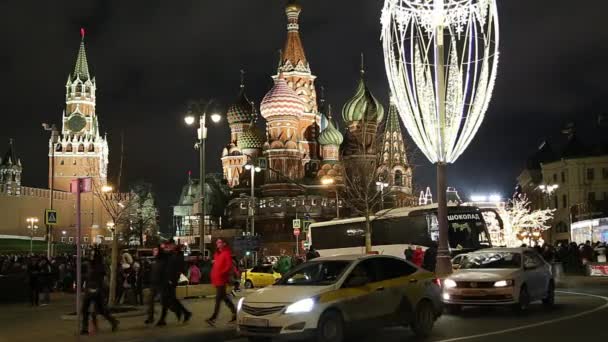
x=470, y=34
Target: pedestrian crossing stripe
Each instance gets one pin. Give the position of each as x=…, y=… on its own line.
x=50, y=217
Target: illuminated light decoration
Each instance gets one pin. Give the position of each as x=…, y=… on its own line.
x=82, y=32
x=411, y=31
x=441, y=59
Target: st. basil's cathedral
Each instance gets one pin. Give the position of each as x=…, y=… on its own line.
x=304, y=150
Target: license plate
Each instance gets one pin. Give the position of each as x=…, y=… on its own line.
x=474, y=293
x=255, y=322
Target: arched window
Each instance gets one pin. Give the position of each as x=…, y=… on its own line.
x=91, y=148
x=398, y=178
x=58, y=148
x=81, y=148
x=68, y=148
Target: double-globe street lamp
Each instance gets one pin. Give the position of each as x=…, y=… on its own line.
x=199, y=110
x=382, y=186
x=31, y=225
x=253, y=170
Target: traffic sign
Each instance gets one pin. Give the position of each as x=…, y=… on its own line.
x=296, y=224
x=296, y=232
x=306, y=225
x=50, y=217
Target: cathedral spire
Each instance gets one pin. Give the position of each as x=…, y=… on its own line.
x=293, y=52
x=81, y=70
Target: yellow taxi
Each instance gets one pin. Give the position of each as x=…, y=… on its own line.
x=259, y=276
x=326, y=297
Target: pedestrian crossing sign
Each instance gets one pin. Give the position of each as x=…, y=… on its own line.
x=50, y=217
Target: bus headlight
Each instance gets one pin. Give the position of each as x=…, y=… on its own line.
x=304, y=305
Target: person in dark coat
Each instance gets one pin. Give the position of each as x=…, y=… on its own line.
x=45, y=280
x=94, y=293
x=173, y=267
x=33, y=273
x=156, y=285
x=312, y=253
x=430, y=257
x=408, y=253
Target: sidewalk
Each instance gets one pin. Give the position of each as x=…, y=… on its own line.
x=574, y=281
x=22, y=323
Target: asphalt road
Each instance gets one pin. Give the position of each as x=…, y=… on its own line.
x=578, y=313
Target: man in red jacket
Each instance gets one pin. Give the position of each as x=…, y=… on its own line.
x=220, y=277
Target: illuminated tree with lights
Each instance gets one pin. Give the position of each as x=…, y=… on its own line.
x=441, y=59
x=522, y=224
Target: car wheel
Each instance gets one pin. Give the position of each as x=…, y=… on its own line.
x=549, y=299
x=524, y=300
x=248, y=284
x=424, y=319
x=330, y=328
x=453, y=309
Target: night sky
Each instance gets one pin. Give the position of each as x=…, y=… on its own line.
x=150, y=57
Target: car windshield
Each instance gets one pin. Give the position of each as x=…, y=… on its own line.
x=491, y=260
x=316, y=273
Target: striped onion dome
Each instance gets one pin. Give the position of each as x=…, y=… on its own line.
x=251, y=138
x=363, y=106
x=281, y=100
x=241, y=110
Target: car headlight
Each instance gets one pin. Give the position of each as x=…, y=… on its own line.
x=503, y=283
x=239, y=305
x=449, y=284
x=304, y=305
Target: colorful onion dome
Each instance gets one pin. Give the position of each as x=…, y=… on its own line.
x=281, y=100
x=330, y=135
x=363, y=106
x=251, y=138
x=241, y=110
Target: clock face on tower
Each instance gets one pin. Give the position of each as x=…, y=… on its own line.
x=76, y=123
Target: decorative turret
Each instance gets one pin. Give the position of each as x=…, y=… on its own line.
x=394, y=166
x=251, y=139
x=294, y=57
x=10, y=171
x=282, y=108
x=330, y=135
x=362, y=114
x=363, y=106
x=241, y=110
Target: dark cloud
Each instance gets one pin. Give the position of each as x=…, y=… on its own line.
x=150, y=57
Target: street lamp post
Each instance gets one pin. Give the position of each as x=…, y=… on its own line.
x=200, y=109
x=31, y=225
x=329, y=181
x=382, y=185
x=54, y=138
x=253, y=170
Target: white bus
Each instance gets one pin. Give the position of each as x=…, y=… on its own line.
x=396, y=229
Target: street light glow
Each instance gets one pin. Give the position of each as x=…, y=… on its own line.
x=327, y=181
x=248, y=166
x=215, y=117
x=189, y=120
x=495, y=198
x=479, y=198
x=107, y=188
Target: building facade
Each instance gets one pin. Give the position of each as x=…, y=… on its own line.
x=577, y=176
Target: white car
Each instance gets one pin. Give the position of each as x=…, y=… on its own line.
x=328, y=296
x=499, y=276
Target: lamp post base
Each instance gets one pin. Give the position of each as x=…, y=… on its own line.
x=443, y=268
